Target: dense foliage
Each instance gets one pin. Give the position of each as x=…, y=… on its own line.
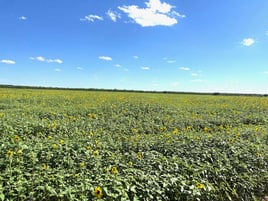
x=79, y=145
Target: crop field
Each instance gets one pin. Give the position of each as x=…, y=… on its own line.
x=96, y=145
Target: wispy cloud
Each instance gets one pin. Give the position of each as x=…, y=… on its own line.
x=118, y=65
x=266, y=33
x=113, y=15
x=247, y=42
x=171, y=61
x=43, y=59
x=265, y=72
x=156, y=13
x=194, y=74
x=145, y=68
x=54, y=61
x=106, y=58
x=135, y=57
x=57, y=69
x=22, y=18
x=79, y=68
x=91, y=18
x=7, y=61
x=197, y=80
x=184, y=68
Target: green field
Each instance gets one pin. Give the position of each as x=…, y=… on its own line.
x=90, y=145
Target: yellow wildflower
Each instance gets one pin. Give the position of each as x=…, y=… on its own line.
x=139, y=155
x=62, y=142
x=54, y=125
x=10, y=153
x=97, y=192
x=114, y=170
x=44, y=166
x=95, y=153
x=82, y=164
x=200, y=186
x=19, y=152
x=175, y=131
x=54, y=146
x=206, y=129
x=49, y=137
x=16, y=138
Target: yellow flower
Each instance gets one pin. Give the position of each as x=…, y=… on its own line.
x=88, y=147
x=206, y=129
x=19, y=152
x=130, y=163
x=139, y=155
x=49, y=137
x=93, y=116
x=62, y=142
x=97, y=192
x=10, y=153
x=54, y=125
x=82, y=164
x=200, y=186
x=44, y=166
x=95, y=153
x=114, y=170
x=175, y=131
x=16, y=138
x=221, y=127
x=54, y=146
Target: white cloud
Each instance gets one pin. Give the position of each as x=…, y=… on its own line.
x=118, y=65
x=184, y=68
x=135, y=57
x=91, y=18
x=22, y=18
x=197, y=80
x=248, y=42
x=266, y=33
x=174, y=13
x=113, y=15
x=266, y=72
x=155, y=14
x=194, y=74
x=43, y=59
x=171, y=61
x=54, y=61
x=79, y=68
x=105, y=58
x=57, y=69
x=7, y=61
x=39, y=58
x=145, y=68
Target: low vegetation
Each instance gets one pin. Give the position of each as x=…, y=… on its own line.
x=87, y=145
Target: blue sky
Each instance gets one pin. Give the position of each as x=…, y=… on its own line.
x=174, y=45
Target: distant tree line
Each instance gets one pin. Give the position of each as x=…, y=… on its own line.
x=128, y=90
